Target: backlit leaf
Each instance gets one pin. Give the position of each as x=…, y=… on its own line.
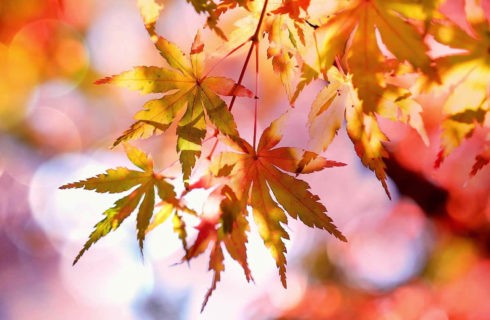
x=465, y=76
x=191, y=90
x=120, y=180
x=258, y=170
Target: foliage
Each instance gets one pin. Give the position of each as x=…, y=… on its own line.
x=363, y=49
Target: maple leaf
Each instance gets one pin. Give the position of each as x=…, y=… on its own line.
x=122, y=179
x=253, y=174
x=308, y=74
x=293, y=8
x=482, y=159
x=184, y=86
x=228, y=227
x=282, y=33
x=466, y=74
x=172, y=209
x=366, y=92
x=150, y=11
x=209, y=7
x=226, y=5
x=283, y=48
x=339, y=99
x=283, y=27
x=359, y=20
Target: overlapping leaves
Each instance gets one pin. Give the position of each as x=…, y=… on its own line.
x=227, y=226
x=185, y=87
x=359, y=20
x=463, y=73
x=253, y=174
x=358, y=36
x=339, y=100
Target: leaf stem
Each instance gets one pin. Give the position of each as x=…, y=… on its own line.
x=168, y=167
x=214, y=136
x=254, y=39
x=324, y=73
x=242, y=73
x=212, y=150
x=256, y=90
x=223, y=58
x=339, y=66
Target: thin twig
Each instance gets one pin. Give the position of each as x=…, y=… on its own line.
x=168, y=167
x=254, y=38
x=256, y=90
x=242, y=73
x=223, y=58
x=324, y=73
x=210, y=155
x=339, y=66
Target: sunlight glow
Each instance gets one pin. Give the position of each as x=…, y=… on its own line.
x=108, y=275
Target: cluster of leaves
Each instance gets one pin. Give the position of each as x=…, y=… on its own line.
x=362, y=47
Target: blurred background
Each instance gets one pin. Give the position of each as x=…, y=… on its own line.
x=423, y=255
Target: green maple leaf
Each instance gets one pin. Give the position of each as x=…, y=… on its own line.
x=185, y=87
x=122, y=179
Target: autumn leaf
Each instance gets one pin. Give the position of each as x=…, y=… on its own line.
x=226, y=5
x=262, y=171
x=282, y=50
x=150, y=11
x=122, y=179
x=172, y=208
x=228, y=227
x=186, y=88
x=210, y=8
x=483, y=158
x=285, y=35
x=368, y=91
x=287, y=41
x=359, y=21
x=308, y=74
x=339, y=100
x=466, y=75
x=293, y=8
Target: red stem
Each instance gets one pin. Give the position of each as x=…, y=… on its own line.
x=212, y=149
x=255, y=43
x=242, y=73
x=256, y=90
x=223, y=58
x=168, y=167
x=339, y=66
x=254, y=39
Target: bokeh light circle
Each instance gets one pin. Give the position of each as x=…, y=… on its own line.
x=56, y=48
x=387, y=255
x=66, y=215
x=18, y=77
x=109, y=275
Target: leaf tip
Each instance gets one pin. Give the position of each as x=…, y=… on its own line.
x=197, y=45
x=480, y=162
x=439, y=160
x=103, y=80
x=80, y=254
x=336, y=163
x=385, y=186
